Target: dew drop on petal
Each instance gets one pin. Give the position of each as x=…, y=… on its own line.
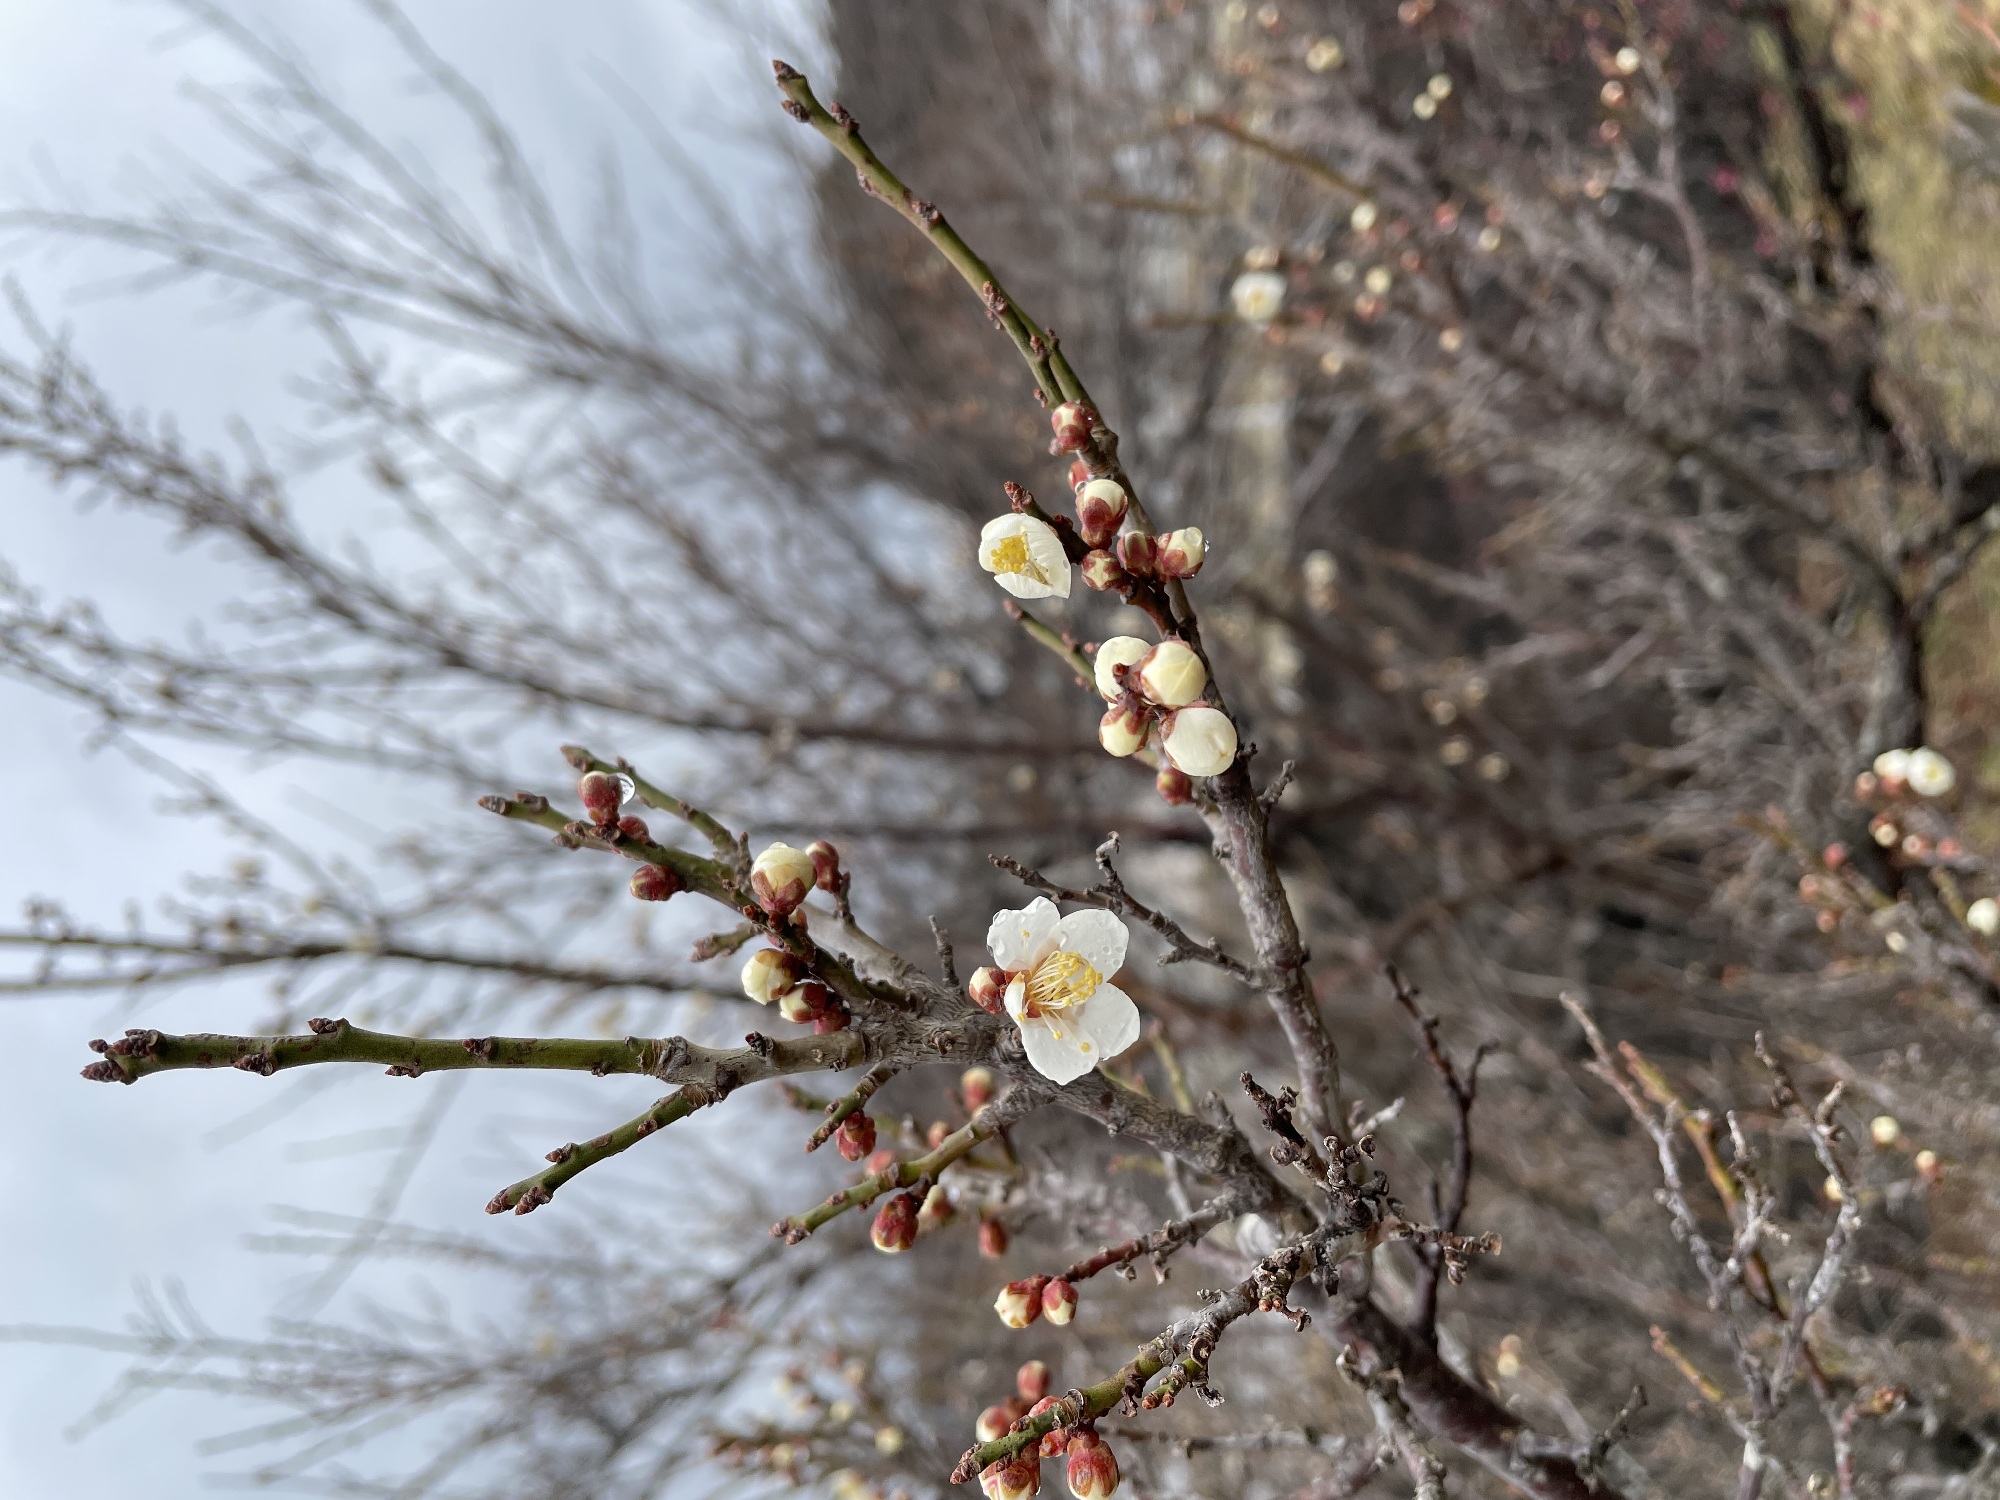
x=626, y=789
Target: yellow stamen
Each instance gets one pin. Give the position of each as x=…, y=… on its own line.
x=1060, y=981
x=1010, y=555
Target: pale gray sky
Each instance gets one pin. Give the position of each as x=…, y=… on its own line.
x=108, y=1186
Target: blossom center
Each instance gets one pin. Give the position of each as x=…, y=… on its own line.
x=1061, y=981
x=1010, y=555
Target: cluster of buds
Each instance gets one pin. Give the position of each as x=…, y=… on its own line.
x=1090, y=1467
x=781, y=877
x=1021, y=1302
x=1138, y=556
x=1922, y=771
x=772, y=976
x=1155, y=690
x=1031, y=1384
x=602, y=794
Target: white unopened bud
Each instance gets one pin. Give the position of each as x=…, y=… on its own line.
x=769, y=973
x=1930, y=774
x=1172, y=675
x=1181, y=553
x=1893, y=766
x=1257, y=296
x=1100, y=509
x=780, y=878
x=1983, y=916
x=1119, y=651
x=1199, y=740
x=1123, y=731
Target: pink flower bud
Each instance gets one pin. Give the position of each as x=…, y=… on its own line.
x=1079, y=474
x=833, y=1018
x=1835, y=855
x=1059, y=1302
x=993, y=1423
x=1123, y=731
x=1100, y=510
x=1020, y=1302
x=1181, y=553
x=826, y=864
x=1138, y=554
x=856, y=1136
x=769, y=973
x=1092, y=1470
x=601, y=795
x=655, y=883
x=896, y=1225
x=1102, y=571
x=1176, y=787
x=780, y=878
x=1017, y=1479
x=975, y=1087
x=1032, y=1380
x=992, y=1238
x=988, y=988
x=805, y=1003
x=879, y=1162
x=1072, y=424
x=635, y=828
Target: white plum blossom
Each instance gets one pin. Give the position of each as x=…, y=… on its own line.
x=1893, y=765
x=1983, y=916
x=1025, y=556
x=1929, y=774
x=1258, y=295
x=1059, y=988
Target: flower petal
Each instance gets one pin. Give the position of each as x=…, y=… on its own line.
x=1025, y=556
x=1016, y=938
x=1097, y=936
x=1105, y=1024
x=1061, y=1059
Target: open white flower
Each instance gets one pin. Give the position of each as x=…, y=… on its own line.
x=1929, y=774
x=1058, y=986
x=1119, y=651
x=1258, y=295
x=1025, y=556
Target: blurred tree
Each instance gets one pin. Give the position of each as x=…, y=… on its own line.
x=1587, y=411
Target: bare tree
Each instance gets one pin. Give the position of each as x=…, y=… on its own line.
x=1581, y=510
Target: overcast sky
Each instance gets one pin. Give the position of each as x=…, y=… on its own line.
x=107, y=1187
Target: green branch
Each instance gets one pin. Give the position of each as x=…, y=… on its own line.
x=530, y=1193
x=708, y=827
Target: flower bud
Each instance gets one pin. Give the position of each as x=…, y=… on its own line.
x=768, y=973
x=1102, y=571
x=1059, y=1302
x=1176, y=790
x=1123, y=731
x=635, y=828
x=993, y=1423
x=937, y=1210
x=1835, y=855
x=879, y=1162
x=1199, y=740
x=1171, y=675
x=1983, y=916
x=1016, y=1479
x=1032, y=1380
x=988, y=988
x=1892, y=768
x=992, y=1238
x=601, y=796
x=896, y=1225
x=826, y=865
x=1181, y=553
x=856, y=1136
x=655, y=883
x=780, y=878
x=1072, y=423
x=833, y=1018
x=1120, y=651
x=1138, y=554
x=1020, y=1302
x=1092, y=1470
x=1100, y=510
x=935, y=1136
x=975, y=1085
x=805, y=1003
x=1079, y=474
